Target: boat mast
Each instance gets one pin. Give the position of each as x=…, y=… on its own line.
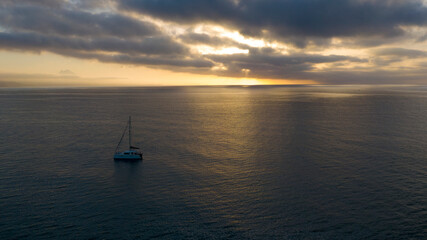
x=130, y=138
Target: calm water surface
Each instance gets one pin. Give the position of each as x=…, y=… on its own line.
x=219, y=163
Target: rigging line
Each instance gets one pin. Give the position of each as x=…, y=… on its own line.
x=124, y=132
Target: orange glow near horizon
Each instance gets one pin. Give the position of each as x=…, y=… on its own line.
x=93, y=73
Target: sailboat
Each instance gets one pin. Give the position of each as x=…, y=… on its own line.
x=133, y=153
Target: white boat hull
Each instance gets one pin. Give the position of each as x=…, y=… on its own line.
x=127, y=157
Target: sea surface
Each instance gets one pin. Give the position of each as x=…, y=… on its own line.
x=284, y=162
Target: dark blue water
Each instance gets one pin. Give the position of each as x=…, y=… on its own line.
x=219, y=163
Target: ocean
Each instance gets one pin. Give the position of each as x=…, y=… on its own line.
x=257, y=162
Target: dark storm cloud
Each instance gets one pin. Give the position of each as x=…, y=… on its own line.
x=387, y=56
x=58, y=27
x=295, y=18
x=400, y=52
x=265, y=63
x=76, y=4
x=105, y=31
x=91, y=4
x=172, y=61
x=370, y=77
x=37, y=42
x=73, y=23
x=51, y=3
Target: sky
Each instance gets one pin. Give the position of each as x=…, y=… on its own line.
x=212, y=42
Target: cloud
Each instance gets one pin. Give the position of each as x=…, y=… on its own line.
x=49, y=80
x=31, y=80
x=400, y=52
x=206, y=39
x=294, y=39
x=267, y=64
x=37, y=42
x=386, y=56
x=297, y=18
x=176, y=61
x=107, y=37
x=371, y=77
x=66, y=72
x=48, y=3
x=65, y=22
